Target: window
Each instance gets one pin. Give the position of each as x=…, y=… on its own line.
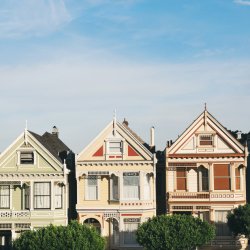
x=58, y=196
x=42, y=195
x=4, y=196
x=203, y=179
x=221, y=223
x=130, y=227
x=116, y=232
x=131, y=185
x=206, y=140
x=114, y=188
x=204, y=216
x=115, y=147
x=92, y=188
x=147, y=191
x=27, y=197
x=181, y=178
x=237, y=178
x=221, y=177
x=27, y=158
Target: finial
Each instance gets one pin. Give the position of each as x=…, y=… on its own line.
x=205, y=106
x=114, y=115
x=26, y=125
x=114, y=122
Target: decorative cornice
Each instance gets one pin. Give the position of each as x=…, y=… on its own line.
x=214, y=155
x=31, y=175
x=116, y=163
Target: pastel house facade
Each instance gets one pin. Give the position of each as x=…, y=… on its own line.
x=116, y=185
x=33, y=184
x=206, y=175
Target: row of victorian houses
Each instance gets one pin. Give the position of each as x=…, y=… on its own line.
x=118, y=181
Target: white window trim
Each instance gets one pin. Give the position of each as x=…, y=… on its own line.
x=86, y=196
x=139, y=188
x=206, y=146
x=111, y=188
x=26, y=150
x=120, y=140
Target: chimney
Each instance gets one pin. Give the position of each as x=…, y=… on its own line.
x=55, y=131
x=152, y=137
x=239, y=135
x=125, y=122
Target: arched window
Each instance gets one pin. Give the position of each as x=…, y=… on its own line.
x=93, y=223
x=203, y=179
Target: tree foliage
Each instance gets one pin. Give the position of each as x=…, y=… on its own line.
x=239, y=220
x=174, y=232
x=75, y=236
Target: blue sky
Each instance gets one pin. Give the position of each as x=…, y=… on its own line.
x=70, y=63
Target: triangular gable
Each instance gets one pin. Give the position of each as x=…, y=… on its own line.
x=44, y=161
x=97, y=149
x=221, y=140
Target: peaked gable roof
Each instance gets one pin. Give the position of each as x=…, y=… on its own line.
x=52, y=143
x=206, y=119
x=122, y=128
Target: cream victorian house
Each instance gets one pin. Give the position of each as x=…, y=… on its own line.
x=33, y=184
x=206, y=175
x=116, y=184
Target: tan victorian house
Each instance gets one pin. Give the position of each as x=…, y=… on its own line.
x=206, y=175
x=33, y=184
x=116, y=184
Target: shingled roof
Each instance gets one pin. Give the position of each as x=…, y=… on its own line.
x=125, y=124
x=52, y=143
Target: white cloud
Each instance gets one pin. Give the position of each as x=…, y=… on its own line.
x=79, y=97
x=242, y=2
x=31, y=17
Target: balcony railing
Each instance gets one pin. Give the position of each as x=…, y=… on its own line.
x=205, y=196
x=25, y=214
x=15, y=214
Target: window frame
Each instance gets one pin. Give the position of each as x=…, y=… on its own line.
x=87, y=196
x=222, y=177
x=36, y=196
x=1, y=195
x=26, y=151
x=131, y=174
x=130, y=221
x=60, y=187
x=204, y=140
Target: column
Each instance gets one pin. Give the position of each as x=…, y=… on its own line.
x=211, y=177
x=232, y=175
x=121, y=185
x=242, y=179
x=52, y=197
x=78, y=188
x=141, y=175
x=31, y=195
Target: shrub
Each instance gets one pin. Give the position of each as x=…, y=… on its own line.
x=174, y=232
x=75, y=236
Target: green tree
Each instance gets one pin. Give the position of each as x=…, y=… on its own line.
x=174, y=232
x=75, y=236
x=239, y=220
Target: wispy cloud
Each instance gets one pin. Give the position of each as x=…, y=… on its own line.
x=72, y=91
x=31, y=17
x=242, y=2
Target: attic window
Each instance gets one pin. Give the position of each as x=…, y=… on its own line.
x=115, y=147
x=27, y=158
x=206, y=140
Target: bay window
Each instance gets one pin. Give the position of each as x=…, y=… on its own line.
x=4, y=196
x=58, y=196
x=131, y=185
x=42, y=195
x=92, y=188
